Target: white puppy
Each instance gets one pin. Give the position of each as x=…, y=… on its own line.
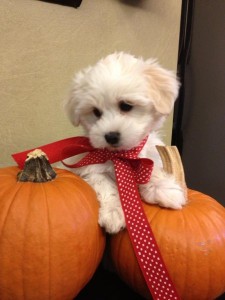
x=120, y=101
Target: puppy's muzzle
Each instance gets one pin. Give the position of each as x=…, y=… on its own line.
x=112, y=137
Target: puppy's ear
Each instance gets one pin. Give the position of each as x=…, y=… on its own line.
x=163, y=86
x=71, y=103
x=70, y=108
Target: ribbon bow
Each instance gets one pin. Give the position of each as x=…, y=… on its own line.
x=130, y=170
x=124, y=161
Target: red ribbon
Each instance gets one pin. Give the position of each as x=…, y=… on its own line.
x=130, y=170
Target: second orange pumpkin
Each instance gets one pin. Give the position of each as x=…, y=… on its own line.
x=192, y=243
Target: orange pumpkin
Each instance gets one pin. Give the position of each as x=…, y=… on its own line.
x=192, y=244
x=50, y=241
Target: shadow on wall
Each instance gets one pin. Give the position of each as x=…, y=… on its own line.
x=140, y=3
x=73, y=3
x=77, y=3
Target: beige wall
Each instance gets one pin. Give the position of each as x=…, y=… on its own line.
x=43, y=44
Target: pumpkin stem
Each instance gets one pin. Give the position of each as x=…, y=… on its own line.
x=172, y=164
x=37, y=168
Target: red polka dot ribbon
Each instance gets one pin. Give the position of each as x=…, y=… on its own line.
x=130, y=171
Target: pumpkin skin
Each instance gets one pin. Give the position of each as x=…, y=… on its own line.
x=50, y=240
x=192, y=244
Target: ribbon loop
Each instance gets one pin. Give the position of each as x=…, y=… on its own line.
x=58, y=151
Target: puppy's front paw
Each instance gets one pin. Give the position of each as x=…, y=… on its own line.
x=112, y=219
x=172, y=197
x=169, y=195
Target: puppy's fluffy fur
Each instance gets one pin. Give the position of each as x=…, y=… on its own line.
x=120, y=101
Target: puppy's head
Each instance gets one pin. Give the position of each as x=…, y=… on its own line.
x=121, y=99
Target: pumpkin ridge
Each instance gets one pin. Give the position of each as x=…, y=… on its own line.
x=65, y=203
x=165, y=215
x=191, y=260
x=48, y=197
x=11, y=203
x=41, y=197
x=65, y=207
x=94, y=193
x=187, y=247
x=199, y=197
x=82, y=203
x=49, y=240
x=156, y=213
x=207, y=284
x=81, y=195
x=210, y=219
x=205, y=212
x=12, y=198
x=23, y=251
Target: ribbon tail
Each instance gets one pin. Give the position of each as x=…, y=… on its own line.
x=142, y=238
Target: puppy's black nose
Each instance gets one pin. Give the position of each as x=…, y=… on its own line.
x=112, y=137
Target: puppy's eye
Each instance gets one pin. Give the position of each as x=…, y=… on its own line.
x=125, y=106
x=97, y=112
